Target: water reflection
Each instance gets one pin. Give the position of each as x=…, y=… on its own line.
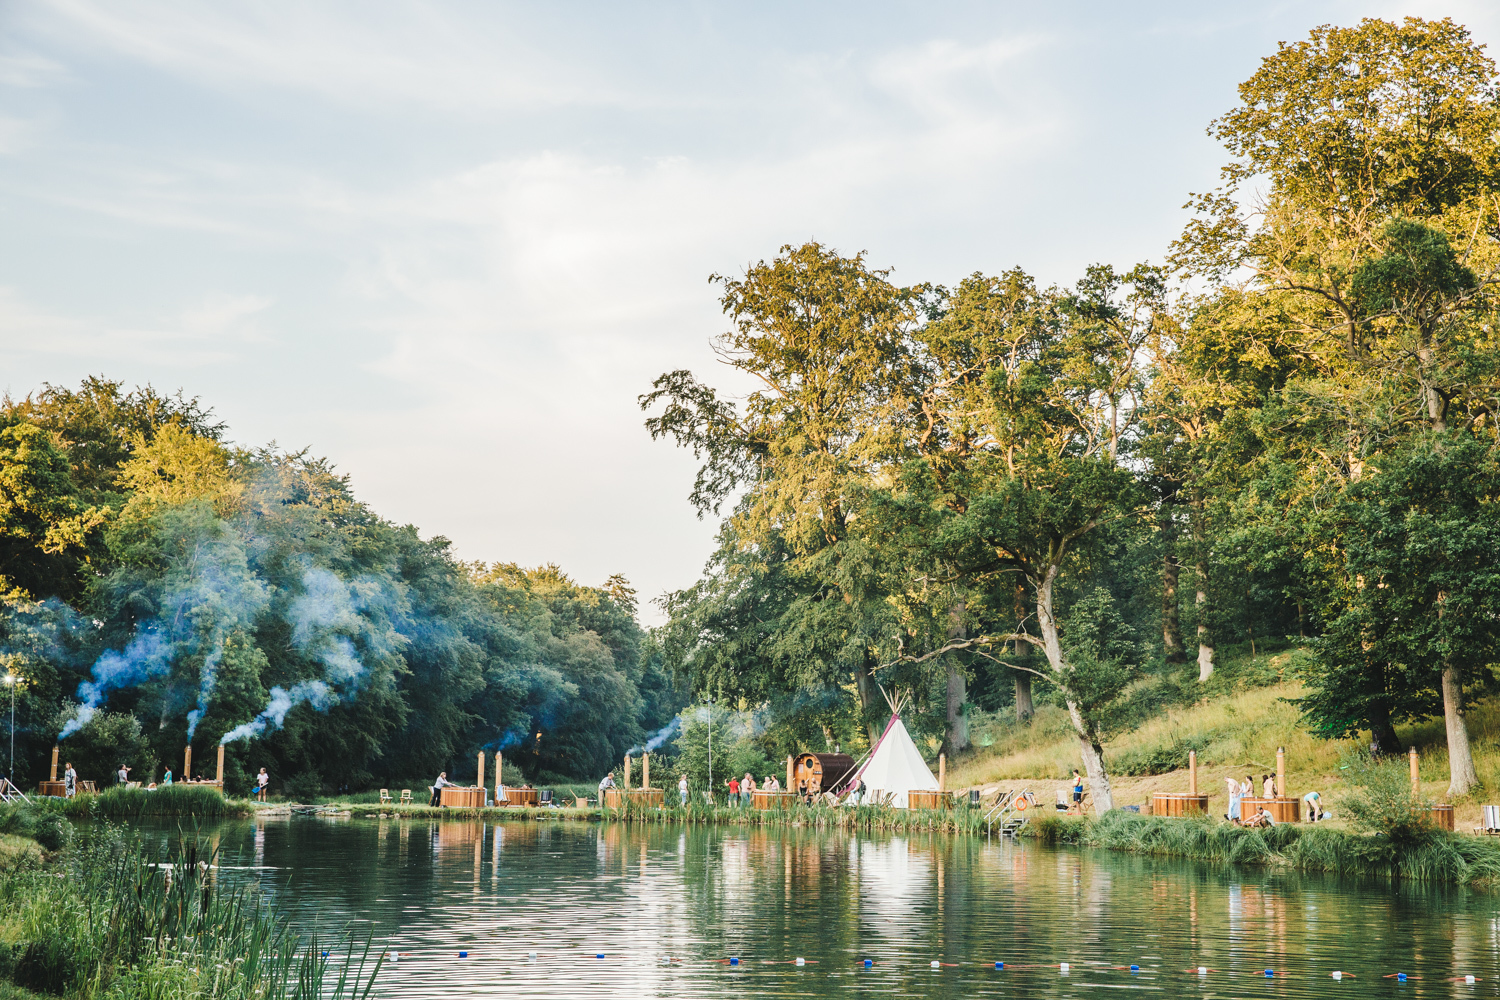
x=668, y=906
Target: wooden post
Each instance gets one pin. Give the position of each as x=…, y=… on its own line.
x=1416, y=779
x=789, y=787
x=645, y=770
x=55, y=749
x=626, y=786
x=220, y=776
x=480, y=782
x=187, y=763
x=499, y=780
x=1281, y=772
x=942, y=772
x=1192, y=772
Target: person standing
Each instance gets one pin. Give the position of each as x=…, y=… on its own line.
x=682, y=788
x=437, y=790
x=734, y=790
x=124, y=775
x=166, y=779
x=262, y=782
x=1077, y=791
x=70, y=781
x=747, y=789
x=1233, y=815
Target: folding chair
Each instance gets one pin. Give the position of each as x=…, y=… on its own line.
x=1491, y=825
x=385, y=796
x=406, y=796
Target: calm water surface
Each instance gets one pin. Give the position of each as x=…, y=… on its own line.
x=667, y=906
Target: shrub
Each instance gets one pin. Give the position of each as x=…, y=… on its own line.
x=304, y=786
x=1383, y=802
x=46, y=828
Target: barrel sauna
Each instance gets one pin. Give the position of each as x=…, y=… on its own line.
x=927, y=799
x=821, y=771
x=1281, y=808
x=1178, y=804
x=1440, y=817
x=459, y=797
x=773, y=800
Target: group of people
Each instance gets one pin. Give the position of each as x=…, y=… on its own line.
x=1312, y=802
x=744, y=788
x=122, y=777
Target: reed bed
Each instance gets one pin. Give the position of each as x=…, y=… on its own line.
x=1438, y=856
x=136, y=803
x=109, y=922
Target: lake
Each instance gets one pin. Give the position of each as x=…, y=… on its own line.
x=668, y=906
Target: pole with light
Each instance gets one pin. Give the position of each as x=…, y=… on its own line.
x=12, y=681
x=711, y=749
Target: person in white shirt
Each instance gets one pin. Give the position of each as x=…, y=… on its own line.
x=437, y=789
x=262, y=780
x=124, y=774
x=682, y=788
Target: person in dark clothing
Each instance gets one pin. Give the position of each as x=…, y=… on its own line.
x=437, y=789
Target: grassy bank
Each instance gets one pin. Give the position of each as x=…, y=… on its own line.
x=1435, y=857
x=138, y=803
x=104, y=921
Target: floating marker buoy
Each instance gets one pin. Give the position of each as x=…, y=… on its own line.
x=1135, y=968
x=1400, y=977
x=868, y=963
x=1338, y=975
x=395, y=957
x=1202, y=970
x=325, y=954
x=463, y=954
x=999, y=965
x=1469, y=979
x=936, y=964
x=531, y=956
x=1063, y=967
x=734, y=961
x=801, y=961
x=600, y=955
x=1270, y=973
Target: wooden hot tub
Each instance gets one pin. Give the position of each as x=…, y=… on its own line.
x=459, y=797
x=928, y=799
x=518, y=797
x=52, y=789
x=773, y=800
x=648, y=798
x=1178, y=804
x=1281, y=808
x=1440, y=816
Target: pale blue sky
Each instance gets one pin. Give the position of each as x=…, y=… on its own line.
x=448, y=244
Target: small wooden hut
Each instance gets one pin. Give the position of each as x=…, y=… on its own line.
x=821, y=771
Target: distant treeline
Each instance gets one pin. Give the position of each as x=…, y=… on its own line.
x=1285, y=433
x=159, y=581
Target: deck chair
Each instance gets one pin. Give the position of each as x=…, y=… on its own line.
x=1062, y=800
x=544, y=797
x=385, y=796
x=1491, y=825
x=406, y=796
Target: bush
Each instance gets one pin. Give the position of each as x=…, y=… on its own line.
x=304, y=787
x=1383, y=802
x=46, y=828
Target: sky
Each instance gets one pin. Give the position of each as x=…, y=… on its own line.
x=448, y=245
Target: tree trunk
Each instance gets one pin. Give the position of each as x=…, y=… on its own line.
x=869, y=695
x=1171, y=624
x=1024, y=708
x=1382, y=732
x=956, y=739
x=1461, y=775
x=1200, y=600
x=1089, y=749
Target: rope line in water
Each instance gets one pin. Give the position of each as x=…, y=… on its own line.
x=394, y=956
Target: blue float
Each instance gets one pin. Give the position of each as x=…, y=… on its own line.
x=1400, y=977
x=868, y=963
x=732, y=961
x=1270, y=973
x=463, y=954
x=1135, y=968
x=999, y=965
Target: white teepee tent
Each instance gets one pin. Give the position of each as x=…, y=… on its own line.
x=894, y=768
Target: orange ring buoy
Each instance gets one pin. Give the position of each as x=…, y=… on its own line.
x=1022, y=804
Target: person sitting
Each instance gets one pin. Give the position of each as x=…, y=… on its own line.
x=1261, y=818
x=437, y=790
x=1268, y=786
